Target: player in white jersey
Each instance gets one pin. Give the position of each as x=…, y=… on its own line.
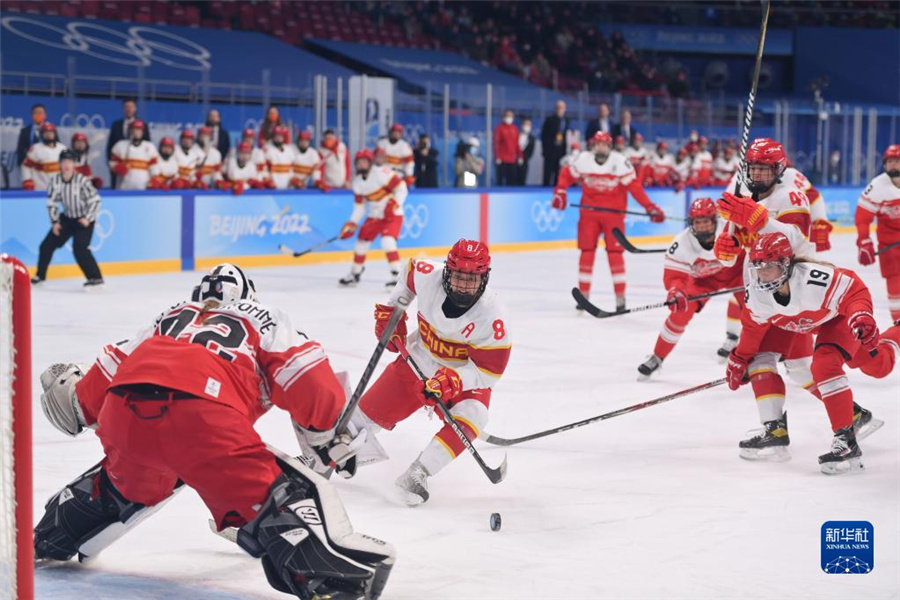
x=461, y=343
x=383, y=192
x=132, y=159
x=691, y=268
x=682, y=169
x=820, y=228
x=280, y=158
x=701, y=166
x=335, y=162
x=257, y=157
x=165, y=171
x=176, y=405
x=209, y=171
x=398, y=154
x=638, y=156
x=793, y=294
x=725, y=166
x=189, y=157
x=307, y=163
x=662, y=167
x=42, y=161
x=240, y=172
x=881, y=200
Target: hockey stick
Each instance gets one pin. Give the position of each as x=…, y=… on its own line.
x=598, y=312
x=287, y=250
x=886, y=248
x=497, y=441
x=621, y=212
x=620, y=237
x=495, y=475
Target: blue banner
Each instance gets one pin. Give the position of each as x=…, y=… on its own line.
x=705, y=40
x=131, y=226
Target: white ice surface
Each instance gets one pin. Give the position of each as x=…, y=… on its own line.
x=651, y=504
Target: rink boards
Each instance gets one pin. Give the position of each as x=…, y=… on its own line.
x=152, y=231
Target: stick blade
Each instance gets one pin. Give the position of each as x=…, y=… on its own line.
x=626, y=243
x=499, y=474
x=495, y=441
x=591, y=309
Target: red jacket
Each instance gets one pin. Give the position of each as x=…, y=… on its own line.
x=506, y=143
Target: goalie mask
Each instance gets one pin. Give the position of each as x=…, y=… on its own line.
x=224, y=284
x=466, y=272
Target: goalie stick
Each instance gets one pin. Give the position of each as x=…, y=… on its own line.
x=495, y=475
x=620, y=237
x=621, y=212
x=498, y=441
x=596, y=311
x=295, y=253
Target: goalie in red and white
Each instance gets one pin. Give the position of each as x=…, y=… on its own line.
x=176, y=405
x=691, y=268
x=461, y=343
x=240, y=172
x=379, y=194
x=606, y=178
x=880, y=202
x=790, y=293
x=398, y=154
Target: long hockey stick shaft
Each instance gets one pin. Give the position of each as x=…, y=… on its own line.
x=626, y=243
x=887, y=248
x=602, y=314
x=495, y=475
x=298, y=253
x=497, y=441
x=620, y=212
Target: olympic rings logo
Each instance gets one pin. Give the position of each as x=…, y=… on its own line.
x=545, y=217
x=82, y=121
x=139, y=48
x=415, y=219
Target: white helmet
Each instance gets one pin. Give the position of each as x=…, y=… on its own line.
x=225, y=283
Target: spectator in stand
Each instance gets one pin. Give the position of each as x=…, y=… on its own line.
x=507, y=154
x=624, y=128
x=679, y=87
x=426, y=163
x=82, y=150
x=132, y=159
x=121, y=130
x=267, y=129
x=220, y=139
x=42, y=161
x=526, y=145
x=468, y=164
x=336, y=171
x=601, y=123
x=30, y=134
x=553, y=141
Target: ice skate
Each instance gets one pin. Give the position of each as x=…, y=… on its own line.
x=650, y=366
x=770, y=444
x=392, y=282
x=845, y=455
x=864, y=424
x=412, y=486
x=620, y=303
x=730, y=343
x=351, y=279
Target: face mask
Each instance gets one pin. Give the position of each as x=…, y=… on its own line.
x=526, y=128
x=508, y=120
x=273, y=118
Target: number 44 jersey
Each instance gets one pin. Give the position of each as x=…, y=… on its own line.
x=242, y=354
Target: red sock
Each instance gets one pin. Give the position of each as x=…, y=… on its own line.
x=586, y=271
x=617, y=269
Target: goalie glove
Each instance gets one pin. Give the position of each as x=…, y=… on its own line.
x=59, y=400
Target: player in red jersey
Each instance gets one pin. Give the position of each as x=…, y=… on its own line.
x=691, y=268
x=804, y=296
x=176, y=405
x=881, y=200
x=606, y=178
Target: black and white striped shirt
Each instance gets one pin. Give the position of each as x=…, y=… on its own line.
x=78, y=196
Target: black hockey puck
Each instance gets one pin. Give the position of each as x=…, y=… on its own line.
x=495, y=521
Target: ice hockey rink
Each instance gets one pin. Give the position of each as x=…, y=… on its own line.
x=651, y=504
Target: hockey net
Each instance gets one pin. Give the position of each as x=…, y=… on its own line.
x=16, y=545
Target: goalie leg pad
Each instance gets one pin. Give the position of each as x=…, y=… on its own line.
x=306, y=542
x=86, y=516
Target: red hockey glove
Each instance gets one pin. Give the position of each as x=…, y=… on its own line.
x=223, y=185
x=560, y=199
x=383, y=314
x=237, y=188
x=348, y=230
x=322, y=185
x=200, y=184
x=409, y=181
x=269, y=184
x=445, y=385
x=743, y=211
x=98, y=183
x=256, y=184
x=656, y=214
x=863, y=325
x=735, y=371
x=819, y=235
x=120, y=169
x=28, y=185
x=866, y=251
x=298, y=183
x=678, y=299
x=726, y=247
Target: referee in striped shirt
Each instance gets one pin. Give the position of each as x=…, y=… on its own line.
x=81, y=203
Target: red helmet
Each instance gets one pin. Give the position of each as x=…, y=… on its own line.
x=379, y=152
x=166, y=141
x=576, y=146
x=702, y=208
x=466, y=256
x=245, y=147
x=187, y=133
x=136, y=124
x=690, y=147
x=304, y=135
x=48, y=126
x=620, y=139
x=364, y=154
x=767, y=249
x=601, y=136
x=282, y=131
x=205, y=130
x=397, y=127
x=662, y=146
x=892, y=151
x=703, y=140
x=79, y=137
x=638, y=137
x=249, y=133
x=765, y=151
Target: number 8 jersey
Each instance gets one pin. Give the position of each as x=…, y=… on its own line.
x=242, y=354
